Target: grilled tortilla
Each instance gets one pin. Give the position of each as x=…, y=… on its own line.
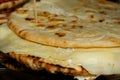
x=62, y=25
x=63, y=40
x=94, y=60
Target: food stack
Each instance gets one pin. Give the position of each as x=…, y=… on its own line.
x=74, y=37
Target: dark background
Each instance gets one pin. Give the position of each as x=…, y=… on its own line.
x=115, y=0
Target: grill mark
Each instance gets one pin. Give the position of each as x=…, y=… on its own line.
x=52, y=27
x=60, y=34
x=12, y=26
x=101, y=20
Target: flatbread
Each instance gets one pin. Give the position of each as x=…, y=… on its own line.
x=94, y=60
x=6, y=7
x=11, y=3
x=82, y=23
x=38, y=63
x=10, y=63
x=33, y=62
x=3, y=18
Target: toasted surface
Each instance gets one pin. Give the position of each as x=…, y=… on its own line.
x=94, y=60
x=22, y=62
x=7, y=7
x=96, y=24
x=11, y=63
x=38, y=63
x=11, y=4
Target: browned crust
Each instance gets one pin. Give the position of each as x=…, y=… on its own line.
x=6, y=9
x=11, y=63
x=11, y=4
x=38, y=63
x=14, y=66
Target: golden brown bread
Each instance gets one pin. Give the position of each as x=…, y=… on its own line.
x=92, y=23
x=94, y=60
x=98, y=30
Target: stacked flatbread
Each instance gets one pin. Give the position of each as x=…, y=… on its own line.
x=7, y=6
x=78, y=39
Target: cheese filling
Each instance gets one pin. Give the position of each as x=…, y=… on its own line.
x=94, y=60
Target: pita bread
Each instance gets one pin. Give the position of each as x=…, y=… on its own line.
x=75, y=25
x=104, y=60
x=7, y=7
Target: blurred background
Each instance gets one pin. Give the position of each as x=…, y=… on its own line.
x=115, y=0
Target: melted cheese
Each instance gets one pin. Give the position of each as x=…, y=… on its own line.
x=95, y=60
